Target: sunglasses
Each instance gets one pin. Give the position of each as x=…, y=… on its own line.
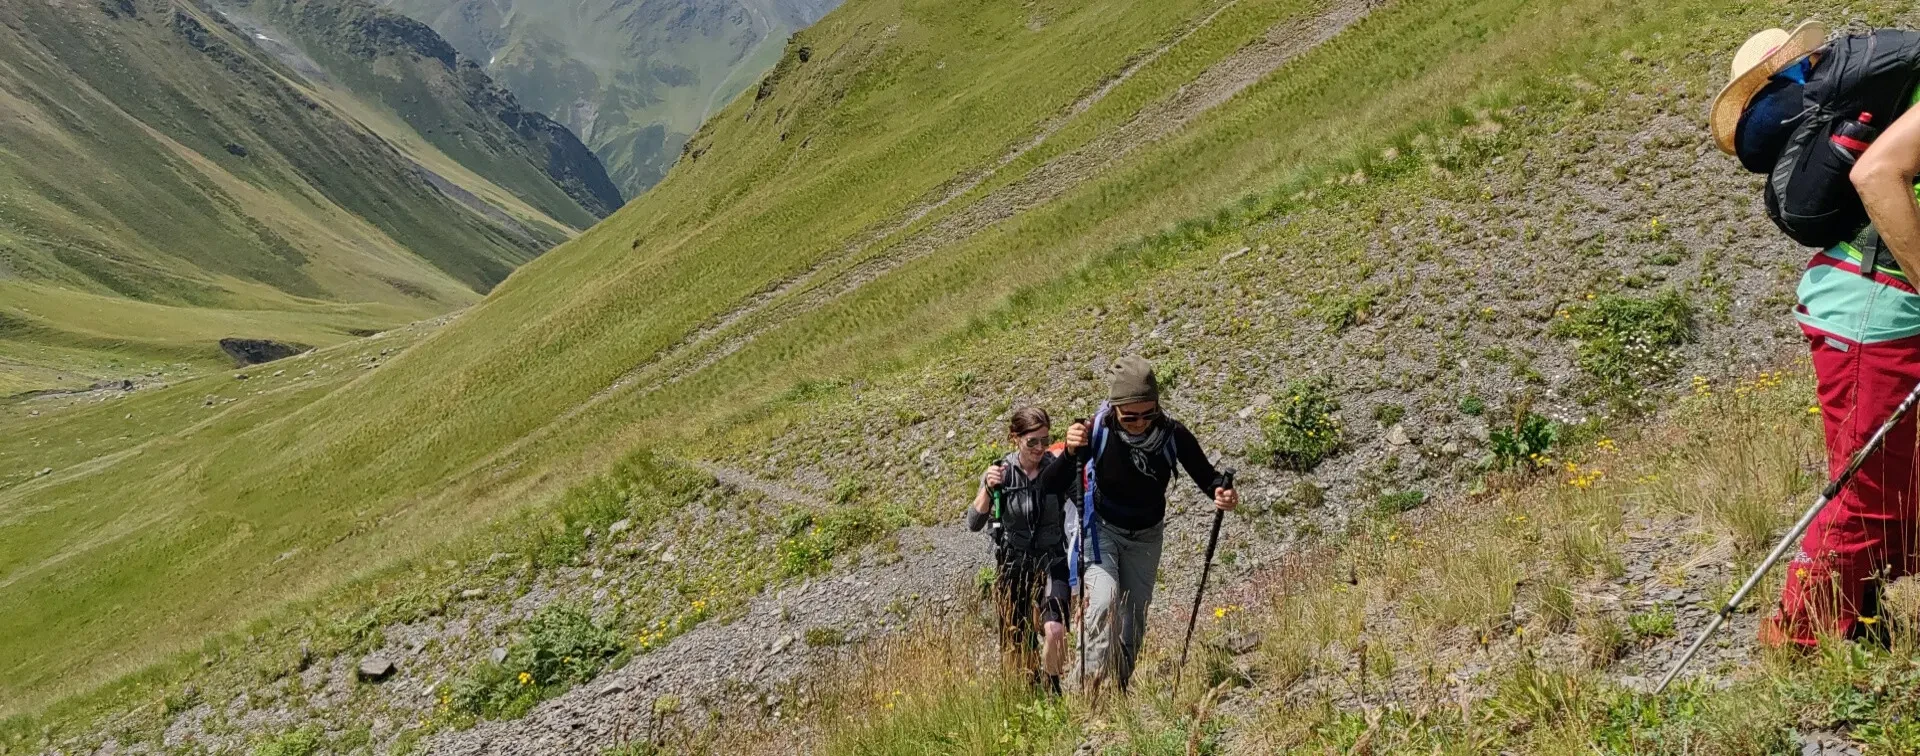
x=1141, y=417
x=1034, y=442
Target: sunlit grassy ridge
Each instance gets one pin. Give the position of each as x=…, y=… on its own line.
x=573, y=361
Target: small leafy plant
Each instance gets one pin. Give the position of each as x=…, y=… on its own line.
x=813, y=541
x=1401, y=501
x=1525, y=444
x=1652, y=624
x=563, y=646
x=1302, y=430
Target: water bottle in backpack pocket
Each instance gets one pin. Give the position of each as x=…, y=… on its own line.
x=1852, y=138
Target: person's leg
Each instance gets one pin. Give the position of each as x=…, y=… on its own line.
x=1138, y=570
x=1021, y=624
x=1101, y=582
x=1053, y=614
x=1862, y=535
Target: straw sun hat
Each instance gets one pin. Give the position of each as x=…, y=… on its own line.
x=1763, y=55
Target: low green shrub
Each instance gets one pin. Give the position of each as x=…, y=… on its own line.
x=1301, y=431
x=1401, y=501
x=304, y=741
x=1652, y=624
x=1627, y=343
x=813, y=541
x=563, y=645
x=1525, y=444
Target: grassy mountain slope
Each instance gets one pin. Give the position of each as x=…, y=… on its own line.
x=409, y=70
x=152, y=155
x=871, y=240
x=634, y=78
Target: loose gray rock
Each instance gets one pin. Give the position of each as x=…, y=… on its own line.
x=375, y=668
x=473, y=593
x=619, y=527
x=1397, y=435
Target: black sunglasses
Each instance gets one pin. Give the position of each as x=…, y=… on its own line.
x=1147, y=416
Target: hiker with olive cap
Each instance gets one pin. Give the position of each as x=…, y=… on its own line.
x=1829, y=121
x=1127, y=459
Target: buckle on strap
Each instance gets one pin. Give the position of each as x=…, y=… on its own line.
x=1874, y=257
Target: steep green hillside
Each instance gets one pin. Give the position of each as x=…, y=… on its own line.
x=634, y=78
x=403, y=66
x=154, y=161
x=847, y=268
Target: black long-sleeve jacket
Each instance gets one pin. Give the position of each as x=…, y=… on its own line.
x=1126, y=498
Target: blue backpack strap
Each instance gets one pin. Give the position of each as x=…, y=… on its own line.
x=1091, y=484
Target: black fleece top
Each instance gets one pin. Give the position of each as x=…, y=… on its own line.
x=1127, y=499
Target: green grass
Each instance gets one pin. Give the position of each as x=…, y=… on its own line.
x=318, y=224
x=523, y=395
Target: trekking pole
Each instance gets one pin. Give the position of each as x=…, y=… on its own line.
x=1080, y=573
x=1793, y=535
x=1213, y=539
x=1001, y=607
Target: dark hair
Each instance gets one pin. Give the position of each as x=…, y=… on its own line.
x=1027, y=420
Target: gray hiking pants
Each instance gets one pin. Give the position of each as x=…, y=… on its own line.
x=1119, y=590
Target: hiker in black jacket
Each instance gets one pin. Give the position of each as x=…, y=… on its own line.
x=1030, y=546
x=1132, y=467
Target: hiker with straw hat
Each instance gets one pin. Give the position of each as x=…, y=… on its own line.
x=1828, y=118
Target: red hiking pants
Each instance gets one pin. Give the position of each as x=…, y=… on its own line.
x=1865, y=537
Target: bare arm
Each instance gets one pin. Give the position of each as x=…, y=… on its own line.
x=1884, y=178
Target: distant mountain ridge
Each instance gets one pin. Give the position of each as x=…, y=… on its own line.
x=406, y=67
x=634, y=78
x=172, y=174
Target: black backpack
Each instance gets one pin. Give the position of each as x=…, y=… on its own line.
x=1809, y=193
